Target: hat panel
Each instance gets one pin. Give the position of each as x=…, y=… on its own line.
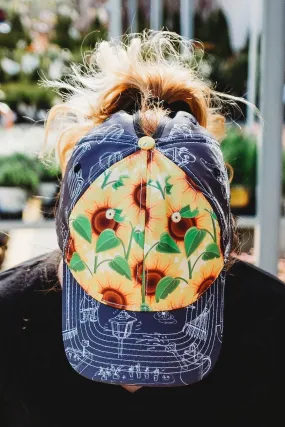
x=140, y=234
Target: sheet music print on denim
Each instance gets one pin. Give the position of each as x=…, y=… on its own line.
x=164, y=357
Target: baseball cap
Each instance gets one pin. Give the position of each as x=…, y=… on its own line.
x=145, y=231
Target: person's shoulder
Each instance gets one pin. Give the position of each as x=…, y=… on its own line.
x=246, y=281
x=35, y=273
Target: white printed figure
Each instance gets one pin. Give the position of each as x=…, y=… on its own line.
x=102, y=372
x=179, y=155
x=85, y=344
x=115, y=372
x=146, y=373
x=88, y=309
x=131, y=371
x=156, y=374
x=165, y=317
x=138, y=370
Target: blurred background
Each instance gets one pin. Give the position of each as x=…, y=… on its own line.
x=43, y=38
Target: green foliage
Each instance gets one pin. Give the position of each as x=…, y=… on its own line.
x=18, y=170
x=214, y=30
x=240, y=152
x=29, y=93
x=61, y=33
x=95, y=33
x=10, y=40
x=48, y=173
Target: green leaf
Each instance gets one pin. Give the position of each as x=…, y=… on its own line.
x=118, y=216
x=123, y=177
x=149, y=181
x=117, y=184
x=83, y=227
x=168, y=188
x=186, y=212
x=139, y=238
x=76, y=263
x=193, y=238
x=167, y=245
x=145, y=307
x=121, y=266
x=214, y=216
x=107, y=240
x=165, y=287
x=212, y=251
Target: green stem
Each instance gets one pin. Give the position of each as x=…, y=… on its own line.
x=189, y=269
x=105, y=180
x=110, y=182
x=207, y=231
x=196, y=262
x=158, y=187
x=143, y=283
x=88, y=268
x=95, y=263
x=150, y=249
x=123, y=247
x=214, y=227
x=102, y=262
x=181, y=278
x=130, y=243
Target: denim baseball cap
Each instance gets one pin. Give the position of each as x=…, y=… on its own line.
x=145, y=231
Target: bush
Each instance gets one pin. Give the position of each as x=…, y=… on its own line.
x=18, y=170
x=240, y=152
x=28, y=93
x=49, y=173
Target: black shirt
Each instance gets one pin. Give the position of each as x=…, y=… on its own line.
x=39, y=388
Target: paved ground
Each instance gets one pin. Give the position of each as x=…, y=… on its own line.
x=28, y=243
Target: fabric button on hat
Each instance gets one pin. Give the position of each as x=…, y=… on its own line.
x=146, y=143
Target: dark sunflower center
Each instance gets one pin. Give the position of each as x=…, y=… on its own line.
x=100, y=222
x=177, y=230
x=206, y=284
x=152, y=277
x=140, y=196
x=114, y=298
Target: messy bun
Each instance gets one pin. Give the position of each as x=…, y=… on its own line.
x=145, y=72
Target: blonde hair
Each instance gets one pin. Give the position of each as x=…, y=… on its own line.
x=140, y=71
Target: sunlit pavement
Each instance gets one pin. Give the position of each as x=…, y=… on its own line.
x=27, y=243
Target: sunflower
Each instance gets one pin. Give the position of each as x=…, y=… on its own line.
x=157, y=267
x=70, y=249
x=101, y=208
x=137, y=195
x=117, y=291
x=205, y=275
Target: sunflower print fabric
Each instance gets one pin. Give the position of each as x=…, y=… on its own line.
x=143, y=238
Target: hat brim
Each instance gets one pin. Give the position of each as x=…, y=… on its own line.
x=178, y=347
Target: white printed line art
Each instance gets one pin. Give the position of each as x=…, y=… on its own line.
x=122, y=325
x=180, y=155
x=198, y=327
x=165, y=317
